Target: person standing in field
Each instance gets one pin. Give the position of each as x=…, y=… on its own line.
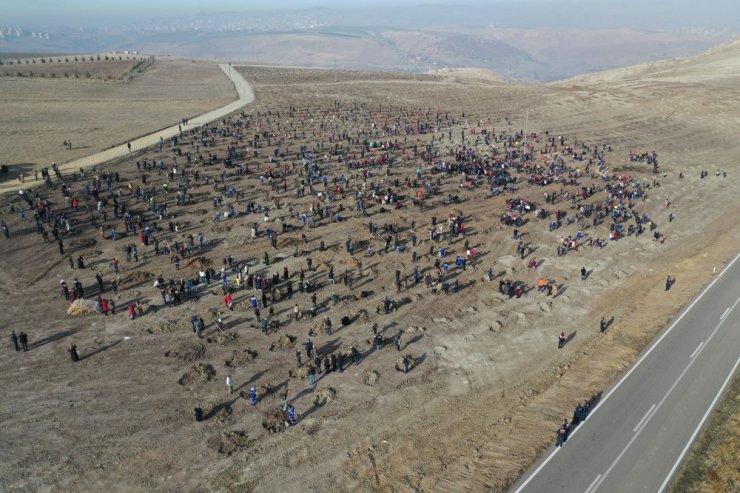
x=74, y=355
x=23, y=339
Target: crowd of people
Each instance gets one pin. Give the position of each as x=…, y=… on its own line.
x=403, y=176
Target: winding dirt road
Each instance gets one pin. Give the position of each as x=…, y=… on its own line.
x=246, y=96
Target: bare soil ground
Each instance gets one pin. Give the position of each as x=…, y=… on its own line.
x=712, y=464
x=488, y=386
x=40, y=114
x=103, y=70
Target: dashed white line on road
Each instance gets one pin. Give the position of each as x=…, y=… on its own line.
x=627, y=375
x=658, y=406
x=644, y=418
x=593, y=483
x=698, y=428
x=727, y=310
x=696, y=351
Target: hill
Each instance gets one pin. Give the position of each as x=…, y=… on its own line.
x=391, y=162
x=719, y=65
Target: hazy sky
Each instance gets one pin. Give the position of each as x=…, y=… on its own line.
x=717, y=14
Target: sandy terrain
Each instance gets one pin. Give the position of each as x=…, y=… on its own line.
x=40, y=114
x=488, y=387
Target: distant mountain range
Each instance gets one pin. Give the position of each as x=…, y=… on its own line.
x=409, y=38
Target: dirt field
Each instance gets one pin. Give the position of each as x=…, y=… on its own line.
x=487, y=387
x=40, y=114
x=103, y=70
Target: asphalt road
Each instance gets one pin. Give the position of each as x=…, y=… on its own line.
x=639, y=432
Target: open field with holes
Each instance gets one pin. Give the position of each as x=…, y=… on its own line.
x=486, y=385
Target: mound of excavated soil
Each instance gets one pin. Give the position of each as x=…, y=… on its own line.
x=211, y=314
x=371, y=377
x=137, y=277
x=196, y=264
x=261, y=390
x=241, y=357
x=399, y=363
x=224, y=338
x=200, y=372
x=243, y=306
x=221, y=227
x=81, y=243
x=275, y=421
x=189, y=355
x=165, y=327
x=82, y=307
x=324, y=396
x=286, y=241
x=221, y=412
x=230, y=442
x=301, y=372
x=414, y=330
x=285, y=341
x=264, y=389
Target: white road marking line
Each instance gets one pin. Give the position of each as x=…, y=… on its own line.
x=589, y=489
x=541, y=466
x=644, y=418
x=680, y=377
x=660, y=339
x=596, y=484
x=697, y=349
x=634, y=367
x=725, y=313
x=698, y=428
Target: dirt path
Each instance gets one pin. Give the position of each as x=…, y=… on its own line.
x=246, y=96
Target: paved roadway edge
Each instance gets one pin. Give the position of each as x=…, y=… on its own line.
x=669, y=478
x=629, y=372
